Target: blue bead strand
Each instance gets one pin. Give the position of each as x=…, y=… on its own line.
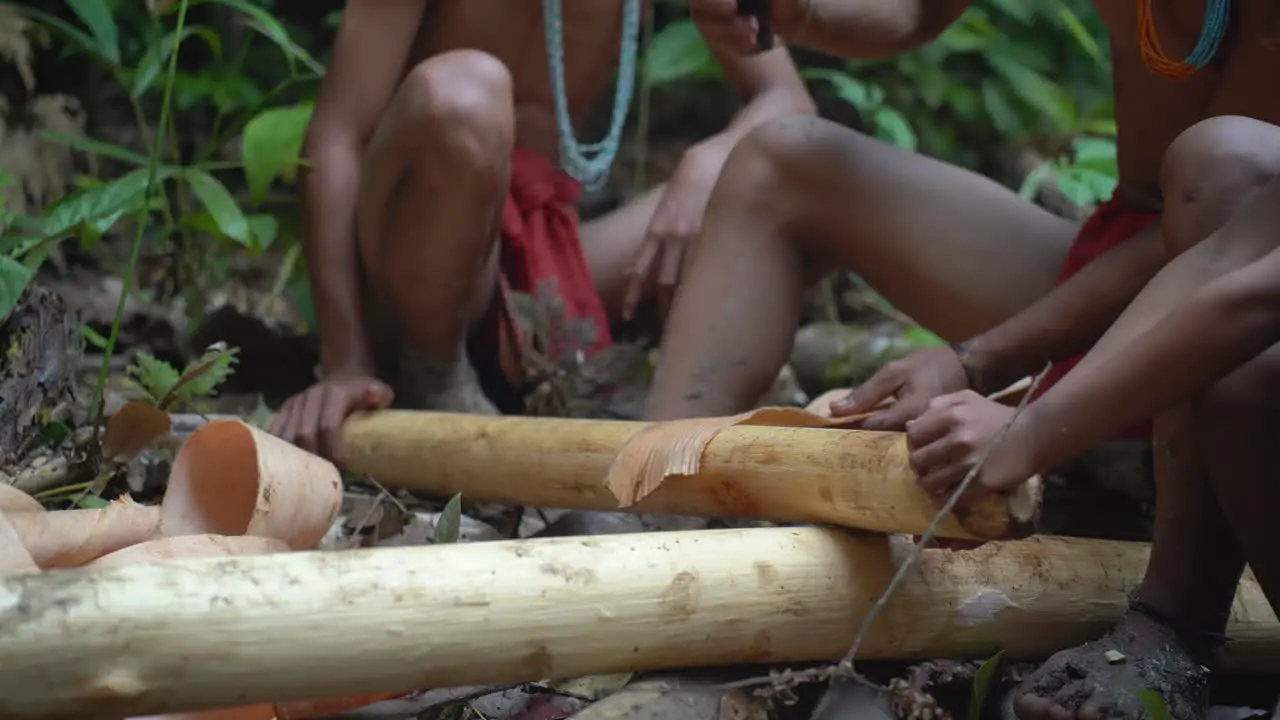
x=589, y=163
x=1217, y=14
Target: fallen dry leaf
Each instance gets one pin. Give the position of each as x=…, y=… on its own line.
x=132, y=429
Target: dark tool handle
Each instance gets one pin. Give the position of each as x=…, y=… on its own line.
x=762, y=11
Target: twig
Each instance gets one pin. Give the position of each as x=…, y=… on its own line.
x=846, y=665
x=844, y=670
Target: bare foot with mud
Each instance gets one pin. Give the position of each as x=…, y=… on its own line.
x=424, y=385
x=1107, y=678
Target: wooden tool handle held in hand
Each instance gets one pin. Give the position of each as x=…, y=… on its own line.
x=762, y=11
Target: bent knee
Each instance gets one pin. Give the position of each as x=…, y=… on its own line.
x=462, y=94
x=1209, y=170
x=800, y=145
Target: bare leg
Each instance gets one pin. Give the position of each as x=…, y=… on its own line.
x=428, y=218
x=954, y=250
x=1212, y=172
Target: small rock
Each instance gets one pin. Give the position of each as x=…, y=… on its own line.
x=1114, y=656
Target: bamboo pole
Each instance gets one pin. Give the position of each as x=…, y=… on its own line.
x=812, y=474
x=199, y=633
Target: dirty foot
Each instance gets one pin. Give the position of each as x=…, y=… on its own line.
x=1106, y=678
x=427, y=385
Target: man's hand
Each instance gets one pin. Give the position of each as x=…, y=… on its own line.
x=313, y=418
x=676, y=221
x=727, y=31
x=913, y=382
x=947, y=441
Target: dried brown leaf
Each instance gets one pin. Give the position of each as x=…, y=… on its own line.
x=132, y=429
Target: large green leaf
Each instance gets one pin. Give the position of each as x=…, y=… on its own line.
x=96, y=15
x=272, y=146
x=157, y=56
x=678, y=52
x=14, y=278
x=894, y=128
x=862, y=96
x=221, y=206
x=121, y=195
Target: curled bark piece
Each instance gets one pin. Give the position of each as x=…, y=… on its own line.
x=14, y=557
x=246, y=712
x=230, y=478
x=13, y=500
x=316, y=709
x=718, y=467
x=190, y=634
x=68, y=538
x=190, y=546
x=675, y=448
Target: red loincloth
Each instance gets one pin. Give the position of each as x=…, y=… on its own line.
x=540, y=242
x=1111, y=224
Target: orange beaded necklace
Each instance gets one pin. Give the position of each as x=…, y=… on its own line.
x=1216, y=17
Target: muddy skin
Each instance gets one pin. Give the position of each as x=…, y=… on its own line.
x=1082, y=683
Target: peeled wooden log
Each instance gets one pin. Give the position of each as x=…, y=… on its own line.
x=191, y=634
x=748, y=466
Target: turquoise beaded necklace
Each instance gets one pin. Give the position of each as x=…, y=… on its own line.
x=589, y=163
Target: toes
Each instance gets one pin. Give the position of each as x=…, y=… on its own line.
x=1032, y=707
x=1073, y=695
x=1057, y=712
x=1097, y=707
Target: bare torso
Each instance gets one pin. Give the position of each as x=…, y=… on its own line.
x=1151, y=110
x=592, y=40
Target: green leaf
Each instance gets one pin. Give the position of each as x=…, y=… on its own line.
x=156, y=377
x=202, y=376
x=1101, y=186
x=1072, y=186
x=848, y=88
x=1031, y=183
x=1097, y=154
x=91, y=501
x=921, y=337
x=222, y=207
x=93, y=337
x=123, y=194
x=893, y=127
x=272, y=146
x=1001, y=112
x=1154, y=705
x=982, y=681
x=157, y=57
x=1036, y=91
x=1081, y=34
x=14, y=278
x=678, y=52
x=266, y=24
x=265, y=228
x=96, y=15
x=450, y=522
x=98, y=148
